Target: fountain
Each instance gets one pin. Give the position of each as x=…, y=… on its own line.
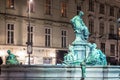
x=83, y=61
x=81, y=52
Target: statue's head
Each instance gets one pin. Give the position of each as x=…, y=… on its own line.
x=94, y=45
x=81, y=13
x=8, y=51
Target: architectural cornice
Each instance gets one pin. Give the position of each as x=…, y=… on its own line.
x=34, y=18
x=10, y=18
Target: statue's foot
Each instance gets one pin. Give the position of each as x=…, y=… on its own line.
x=82, y=78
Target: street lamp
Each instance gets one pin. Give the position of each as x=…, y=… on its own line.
x=118, y=21
x=29, y=41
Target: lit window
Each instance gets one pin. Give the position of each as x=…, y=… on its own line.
x=10, y=4
x=10, y=33
x=31, y=6
x=63, y=38
x=91, y=5
x=111, y=11
x=63, y=9
x=101, y=28
x=112, y=50
x=48, y=7
x=30, y=33
x=91, y=26
x=102, y=8
x=119, y=32
x=47, y=37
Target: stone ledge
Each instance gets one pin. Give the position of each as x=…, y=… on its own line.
x=55, y=72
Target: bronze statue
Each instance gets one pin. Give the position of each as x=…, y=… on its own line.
x=80, y=29
x=11, y=59
x=81, y=51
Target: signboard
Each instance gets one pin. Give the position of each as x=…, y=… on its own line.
x=29, y=49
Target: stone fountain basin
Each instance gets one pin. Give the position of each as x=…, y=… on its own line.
x=58, y=72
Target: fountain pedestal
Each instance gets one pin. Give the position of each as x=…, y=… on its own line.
x=79, y=52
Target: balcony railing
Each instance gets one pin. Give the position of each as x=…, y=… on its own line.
x=113, y=36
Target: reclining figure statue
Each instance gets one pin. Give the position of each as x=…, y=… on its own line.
x=11, y=58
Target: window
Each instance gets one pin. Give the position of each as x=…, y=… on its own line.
x=10, y=33
x=48, y=7
x=118, y=50
x=111, y=11
x=118, y=14
x=78, y=9
x=112, y=50
x=63, y=9
x=119, y=32
x=47, y=37
x=101, y=28
x=102, y=9
x=91, y=5
x=10, y=4
x=31, y=60
x=112, y=29
x=63, y=34
x=91, y=26
x=47, y=60
x=31, y=6
x=30, y=34
x=103, y=47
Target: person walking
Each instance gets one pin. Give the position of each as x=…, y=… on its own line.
x=1, y=61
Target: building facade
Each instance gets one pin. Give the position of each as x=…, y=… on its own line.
x=50, y=31
x=102, y=20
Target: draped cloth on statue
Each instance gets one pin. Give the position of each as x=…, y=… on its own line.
x=80, y=29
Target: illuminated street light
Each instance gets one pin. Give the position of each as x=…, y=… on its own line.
x=30, y=1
